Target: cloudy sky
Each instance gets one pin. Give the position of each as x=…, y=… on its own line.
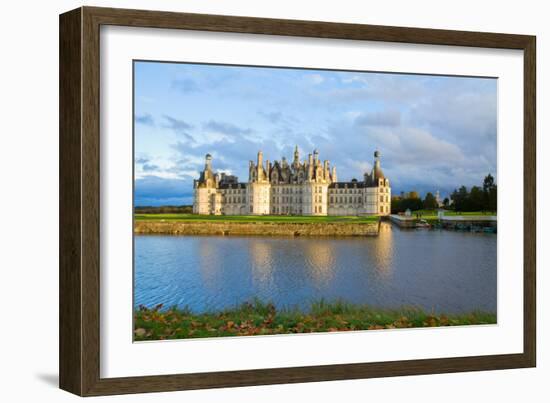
x=434, y=132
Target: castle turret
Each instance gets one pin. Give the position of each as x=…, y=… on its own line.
x=208, y=162
x=203, y=202
x=260, y=166
x=296, y=161
x=334, y=177
x=309, y=167
x=376, y=170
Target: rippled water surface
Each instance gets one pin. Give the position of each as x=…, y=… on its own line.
x=441, y=270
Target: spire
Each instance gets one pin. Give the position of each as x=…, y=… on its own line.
x=296, y=155
x=377, y=159
x=207, y=162
x=260, y=166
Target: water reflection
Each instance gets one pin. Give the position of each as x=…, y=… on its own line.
x=319, y=256
x=383, y=253
x=261, y=260
x=444, y=270
x=210, y=264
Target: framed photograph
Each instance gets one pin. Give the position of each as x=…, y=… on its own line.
x=248, y=201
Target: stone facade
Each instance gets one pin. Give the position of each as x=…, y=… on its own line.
x=308, y=187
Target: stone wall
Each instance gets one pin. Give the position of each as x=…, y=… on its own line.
x=260, y=228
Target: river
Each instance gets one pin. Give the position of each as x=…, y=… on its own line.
x=439, y=270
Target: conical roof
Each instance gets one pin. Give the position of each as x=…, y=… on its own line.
x=377, y=172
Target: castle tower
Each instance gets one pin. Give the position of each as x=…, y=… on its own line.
x=258, y=190
x=260, y=164
x=296, y=161
x=326, y=170
x=205, y=189
x=377, y=159
x=377, y=175
x=382, y=186
x=334, y=176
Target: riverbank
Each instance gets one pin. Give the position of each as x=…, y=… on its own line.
x=259, y=318
x=260, y=225
x=471, y=221
x=286, y=219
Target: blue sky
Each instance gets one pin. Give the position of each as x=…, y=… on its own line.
x=433, y=132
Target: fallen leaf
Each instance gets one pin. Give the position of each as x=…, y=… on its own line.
x=140, y=332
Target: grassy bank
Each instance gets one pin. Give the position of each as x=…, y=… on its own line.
x=259, y=318
x=256, y=218
x=432, y=218
x=432, y=214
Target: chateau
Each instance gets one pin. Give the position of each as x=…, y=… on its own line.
x=310, y=187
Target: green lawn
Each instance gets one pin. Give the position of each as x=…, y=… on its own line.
x=253, y=218
x=263, y=318
x=432, y=214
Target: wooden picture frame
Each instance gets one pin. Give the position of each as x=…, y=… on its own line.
x=79, y=346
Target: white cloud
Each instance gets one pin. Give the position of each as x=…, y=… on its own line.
x=316, y=78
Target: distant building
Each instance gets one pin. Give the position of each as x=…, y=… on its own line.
x=438, y=199
x=309, y=187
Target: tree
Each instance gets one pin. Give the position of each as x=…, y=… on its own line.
x=396, y=202
x=477, y=199
x=446, y=202
x=429, y=201
x=490, y=193
x=488, y=182
x=460, y=199
x=411, y=201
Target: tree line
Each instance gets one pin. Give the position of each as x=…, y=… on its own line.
x=478, y=198
x=163, y=209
